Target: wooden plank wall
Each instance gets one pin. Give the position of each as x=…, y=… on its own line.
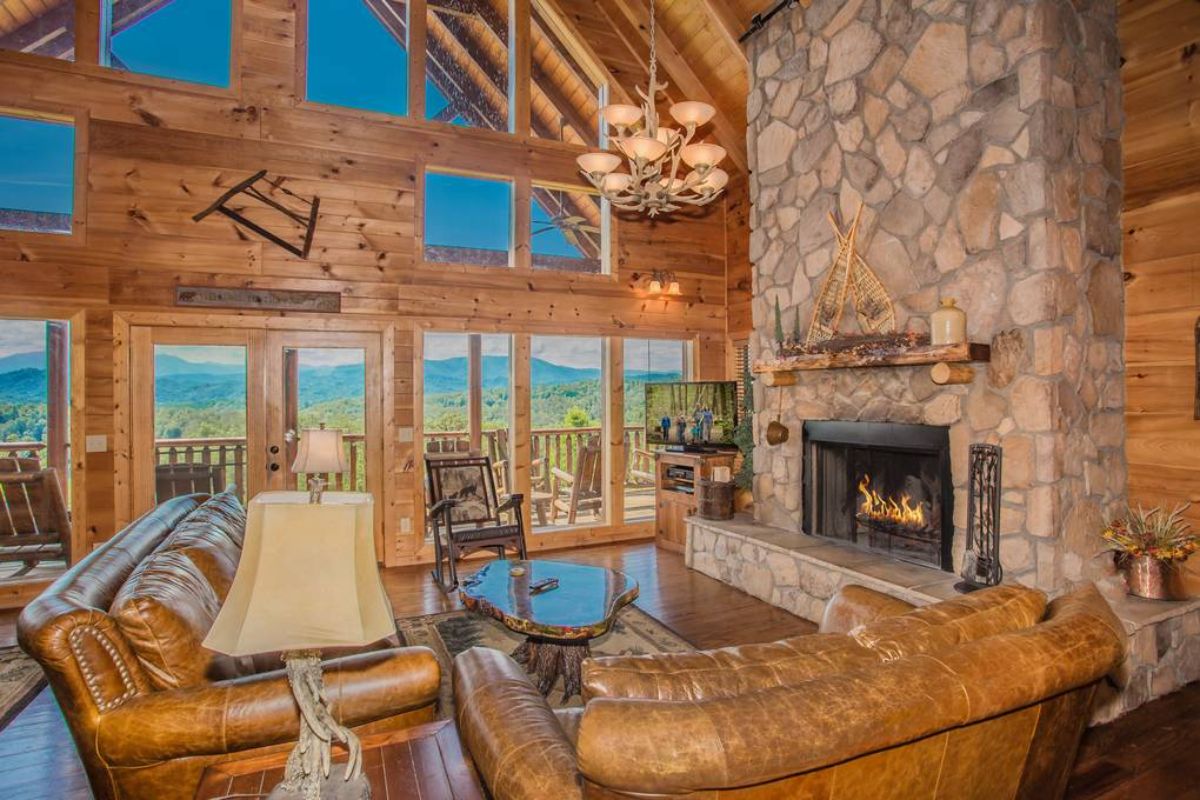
x=155, y=152
x=1160, y=40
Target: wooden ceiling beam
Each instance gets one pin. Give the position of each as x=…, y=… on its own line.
x=566, y=31
x=728, y=25
x=681, y=73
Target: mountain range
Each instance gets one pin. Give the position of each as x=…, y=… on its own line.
x=179, y=381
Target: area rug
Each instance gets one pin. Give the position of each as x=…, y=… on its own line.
x=447, y=634
x=20, y=680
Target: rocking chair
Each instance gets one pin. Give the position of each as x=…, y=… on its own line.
x=464, y=511
x=582, y=490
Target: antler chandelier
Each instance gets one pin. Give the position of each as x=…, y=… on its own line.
x=654, y=152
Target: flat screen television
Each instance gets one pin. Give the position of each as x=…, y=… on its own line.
x=696, y=415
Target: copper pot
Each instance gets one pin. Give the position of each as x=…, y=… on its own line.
x=1148, y=577
x=777, y=433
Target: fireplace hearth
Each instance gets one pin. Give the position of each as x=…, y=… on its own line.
x=885, y=487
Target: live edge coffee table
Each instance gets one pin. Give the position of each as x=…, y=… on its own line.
x=559, y=623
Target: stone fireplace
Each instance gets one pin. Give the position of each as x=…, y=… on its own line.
x=881, y=486
x=983, y=139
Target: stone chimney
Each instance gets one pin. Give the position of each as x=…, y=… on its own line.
x=983, y=138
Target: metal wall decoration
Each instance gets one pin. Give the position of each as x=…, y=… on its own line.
x=258, y=299
x=300, y=212
x=981, y=562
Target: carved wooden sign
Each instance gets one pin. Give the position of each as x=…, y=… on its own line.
x=258, y=299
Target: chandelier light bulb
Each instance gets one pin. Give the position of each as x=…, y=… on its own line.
x=644, y=147
x=616, y=182
x=702, y=154
x=692, y=112
x=598, y=163
x=714, y=181
x=621, y=115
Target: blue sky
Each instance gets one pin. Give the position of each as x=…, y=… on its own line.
x=185, y=39
x=37, y=165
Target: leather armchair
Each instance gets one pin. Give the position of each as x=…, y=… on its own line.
x=145, y=731
x=982, y=696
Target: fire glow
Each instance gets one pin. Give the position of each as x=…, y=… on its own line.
x=894, y=510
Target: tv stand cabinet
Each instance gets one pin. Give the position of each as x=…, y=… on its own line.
x=675, y=477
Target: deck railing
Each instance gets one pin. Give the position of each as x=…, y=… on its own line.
x=23, y=450
x=227, y=455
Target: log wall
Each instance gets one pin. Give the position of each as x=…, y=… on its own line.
x=1162, y=251
x=153, y=152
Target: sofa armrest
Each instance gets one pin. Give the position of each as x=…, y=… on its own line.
x=857, y=605
x=259, y=710
x=515, y=739
x=723, y=672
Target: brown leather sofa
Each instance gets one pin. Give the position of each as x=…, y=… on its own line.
x=985, y=696
x=119, y=639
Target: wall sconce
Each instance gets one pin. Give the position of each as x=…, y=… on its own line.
x=660, y=283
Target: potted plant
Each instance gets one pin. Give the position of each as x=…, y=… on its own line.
x=1148, y=545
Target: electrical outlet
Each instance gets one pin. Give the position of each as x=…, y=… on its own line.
x=404, y=434
x=96, y=443
x=406, y=525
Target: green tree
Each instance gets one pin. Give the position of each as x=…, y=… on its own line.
x=576, y=417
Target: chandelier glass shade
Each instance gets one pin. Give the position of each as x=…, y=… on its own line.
x=656, y=154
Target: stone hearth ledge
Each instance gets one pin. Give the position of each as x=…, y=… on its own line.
x=800, y=573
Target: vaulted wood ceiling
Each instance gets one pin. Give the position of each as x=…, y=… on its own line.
x=699, y=57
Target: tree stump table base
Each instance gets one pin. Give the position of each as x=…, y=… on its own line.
x=549, y=659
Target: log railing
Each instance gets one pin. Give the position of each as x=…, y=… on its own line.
x=552, y=447
x=23, y=450
x=227, y=455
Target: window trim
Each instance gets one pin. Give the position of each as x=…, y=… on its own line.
x=606, y=229
x=234, y=87
x=78, y=118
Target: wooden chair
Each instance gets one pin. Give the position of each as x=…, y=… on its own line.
x=19, y=464
x=466, y=514
x=641, y=468
x=173, y=480
x=34, y=525
x=583, y=491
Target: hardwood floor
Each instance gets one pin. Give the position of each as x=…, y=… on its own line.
x=1146, y=755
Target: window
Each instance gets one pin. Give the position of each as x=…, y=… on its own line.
x=188, y=40
x=467, y=54
x=466, y=407
x=37, y=174
x=42, y=28
x=35, y=412
x=199, y=419
x=568, y=230
x=646, y=361
x=468, y=220
x=567, y=417
x=357, y=54
x=564, y=99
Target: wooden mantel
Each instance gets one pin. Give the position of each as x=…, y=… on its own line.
x=908, y=356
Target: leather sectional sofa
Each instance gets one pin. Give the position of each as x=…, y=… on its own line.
x=149, y=708
x=984, y=696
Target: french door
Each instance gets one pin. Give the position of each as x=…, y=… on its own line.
x=218, y=408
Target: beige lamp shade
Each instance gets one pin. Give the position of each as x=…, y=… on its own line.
x=307, y=579
x=320, y=451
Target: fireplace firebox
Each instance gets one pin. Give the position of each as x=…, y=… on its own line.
x=886, y=487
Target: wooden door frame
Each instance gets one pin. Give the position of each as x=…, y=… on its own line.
x=142, y=341
x=125, y=323
x=375, y=418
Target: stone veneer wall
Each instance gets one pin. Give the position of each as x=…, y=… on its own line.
x=983, y=137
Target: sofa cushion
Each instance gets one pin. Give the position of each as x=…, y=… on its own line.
x=222, y=512
x=165, y=610
x=988, y=612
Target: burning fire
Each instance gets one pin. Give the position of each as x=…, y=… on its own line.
x=899, y=511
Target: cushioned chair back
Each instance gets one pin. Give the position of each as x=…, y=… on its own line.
x=67, y=629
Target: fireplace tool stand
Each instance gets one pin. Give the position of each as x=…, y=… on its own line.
x=981, y=562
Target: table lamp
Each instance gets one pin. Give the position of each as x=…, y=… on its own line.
x=320, y=452
x=307, y=581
